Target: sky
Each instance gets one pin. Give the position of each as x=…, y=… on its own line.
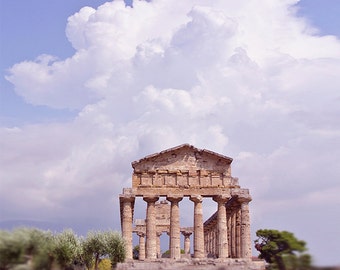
x=87, y=87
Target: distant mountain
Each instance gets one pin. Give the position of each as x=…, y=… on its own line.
x=43, y=225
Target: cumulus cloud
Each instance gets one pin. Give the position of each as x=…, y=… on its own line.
x=246, y=79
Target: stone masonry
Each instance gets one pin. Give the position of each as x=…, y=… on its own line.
x=185, y=171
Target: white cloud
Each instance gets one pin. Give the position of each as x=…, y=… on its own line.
x=246, y=79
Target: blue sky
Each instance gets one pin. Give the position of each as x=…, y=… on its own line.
x=80, y=104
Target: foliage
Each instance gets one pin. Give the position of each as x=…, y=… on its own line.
x=10, y=250
x=300, y=262
x=66, y=249
x=29, y=248
x=99, y=245
x=24, y=245
x=115, y=247
x=93, y=249
x=282, y=250
x=44, y=258
x=166, y=254
x=104, y=264
x=36, y=247
x=135, y=252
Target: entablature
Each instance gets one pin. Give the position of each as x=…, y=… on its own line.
x=182, y=178
x=187, y=192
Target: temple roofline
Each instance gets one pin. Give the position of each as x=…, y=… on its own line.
x=228, y=159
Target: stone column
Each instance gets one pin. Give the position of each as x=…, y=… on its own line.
x=245, y=230
x=233, y=234
x=159, y=244
x=151, y=241
x=186, y=235
x=127, y=202
x=198, y=227
x=141, y=246
x=211, y=239
x=238, y=233
x=208, y=242
x=229, y=231
x=222, y=242
x=215, y=242
x=175, y=234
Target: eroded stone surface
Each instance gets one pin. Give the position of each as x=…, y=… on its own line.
x=194, y=264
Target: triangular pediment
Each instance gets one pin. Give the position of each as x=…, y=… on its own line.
x=185, y=158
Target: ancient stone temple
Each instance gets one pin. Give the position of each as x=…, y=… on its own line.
x=162, y=180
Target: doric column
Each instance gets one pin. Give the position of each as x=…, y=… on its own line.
x=141, y=246
x=159, y=244
x=229, y=231
x=238, y=233
x=186, y=235
x=198, y=227
x=127, y=204
x=175, y=234
x=245, y=230
x=151, y=241
x=211, y=239
x=222, y=242
x=233, y=234
x=208, y=241
x=215, y=242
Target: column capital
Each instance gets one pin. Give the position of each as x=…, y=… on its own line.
x=174, y=198
x=150, y=199
x=246, y=199
x=127, y=198
x=186, y=233
x=221, y=198
x=196, y=198
x=141, y=234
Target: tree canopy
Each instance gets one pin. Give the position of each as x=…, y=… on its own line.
x=43, y=249
x=282, y=250
x=98, y=245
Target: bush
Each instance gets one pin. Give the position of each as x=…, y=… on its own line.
x=42, y=250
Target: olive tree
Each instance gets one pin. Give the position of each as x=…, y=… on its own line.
x=115, y=247
x=44, y=256
x=98, y=245
x=11, y=250
x=31, y=240
x=93, y=249
x=66, y=249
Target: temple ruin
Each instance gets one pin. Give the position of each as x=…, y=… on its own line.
x=162, y=180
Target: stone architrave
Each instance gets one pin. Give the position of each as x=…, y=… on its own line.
x=175, y=237
x=151, y=237
x=198, y=227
